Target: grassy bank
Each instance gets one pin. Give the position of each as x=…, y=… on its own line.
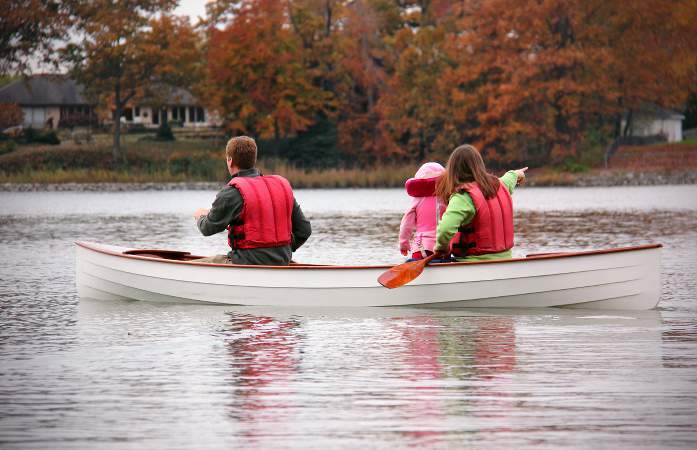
x=196, y=159
x=379, y=176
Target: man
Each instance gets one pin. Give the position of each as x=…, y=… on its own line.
x=265, y=224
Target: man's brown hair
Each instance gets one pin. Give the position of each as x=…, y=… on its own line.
x=243, y=152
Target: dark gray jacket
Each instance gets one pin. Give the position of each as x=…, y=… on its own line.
x=227, y=208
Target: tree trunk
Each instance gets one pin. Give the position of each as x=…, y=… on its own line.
x=116, y=150
x=628, y=124
x=327, y=18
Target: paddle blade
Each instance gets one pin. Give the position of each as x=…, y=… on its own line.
x=400, y=275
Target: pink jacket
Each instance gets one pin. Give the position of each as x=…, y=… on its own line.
x=418, y=227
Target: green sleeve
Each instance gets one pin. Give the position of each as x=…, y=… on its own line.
x=460, y=212
x=510, y=179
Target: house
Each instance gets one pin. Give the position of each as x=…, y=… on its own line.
x=179, y=106
x=46, y=100
x=655, y=121
x=55, y=100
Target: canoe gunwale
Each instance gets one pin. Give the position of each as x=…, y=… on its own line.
x=534, y=257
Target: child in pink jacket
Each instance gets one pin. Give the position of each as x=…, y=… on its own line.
x=417, y=233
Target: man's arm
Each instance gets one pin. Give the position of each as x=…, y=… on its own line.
x=301, y=227
x=226, y=207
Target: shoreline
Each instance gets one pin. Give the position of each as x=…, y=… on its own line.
x=595, y=178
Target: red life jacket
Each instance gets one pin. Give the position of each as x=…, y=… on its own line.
x=265, y=220
x=491, y=230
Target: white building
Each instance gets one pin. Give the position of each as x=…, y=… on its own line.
x=180, y=107
x=653, y=121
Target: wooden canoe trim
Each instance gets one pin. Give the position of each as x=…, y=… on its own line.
x=535, y=255
x=129, y=254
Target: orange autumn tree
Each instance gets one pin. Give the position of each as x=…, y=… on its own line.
x=414, y=101
x=11, y=114
x=528, y=79
x=532, y=79
x=654, y=56
x=30, y=30
x=177, y=48
x=411, y=106
x=113, y=59
x=368, y=27
x=255, y=73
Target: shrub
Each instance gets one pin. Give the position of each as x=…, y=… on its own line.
x=7, y=147
x=137, y=128
x=33, y=136
x=643, y=140
x=574, y=166
x=164, y=133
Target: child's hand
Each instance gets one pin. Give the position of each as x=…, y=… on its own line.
x=404, y=249
x=521, y=174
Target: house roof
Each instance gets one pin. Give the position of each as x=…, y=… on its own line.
x=661, y=113
x=177, y=96
x=58, y=90
x=43, y=90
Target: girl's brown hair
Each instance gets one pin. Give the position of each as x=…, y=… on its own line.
x=465, y=165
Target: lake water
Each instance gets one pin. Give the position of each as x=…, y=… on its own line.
x=131, y=375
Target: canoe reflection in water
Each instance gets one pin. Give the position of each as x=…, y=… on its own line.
x=264, y=352
x=272, y=377
x=272, y=371
x=482, y=349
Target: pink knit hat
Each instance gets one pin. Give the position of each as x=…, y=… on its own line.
x=429, y=170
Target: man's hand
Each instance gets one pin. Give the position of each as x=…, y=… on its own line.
x=200, y=212
x=521, y=174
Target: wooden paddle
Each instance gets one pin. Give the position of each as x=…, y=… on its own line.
x=402, y=274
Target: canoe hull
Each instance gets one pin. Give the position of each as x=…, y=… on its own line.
x=619, y=279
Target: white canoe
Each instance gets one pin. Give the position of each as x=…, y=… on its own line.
x=621, y=278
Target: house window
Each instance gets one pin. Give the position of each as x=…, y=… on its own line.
x=137, y=111
x=175, y=113
x=192, y=114
x=200, y=114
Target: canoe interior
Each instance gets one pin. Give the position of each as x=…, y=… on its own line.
x=187, y=257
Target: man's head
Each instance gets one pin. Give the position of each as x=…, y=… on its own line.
x=241, y=152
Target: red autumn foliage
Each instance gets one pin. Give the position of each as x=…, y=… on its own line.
x=10, y=115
